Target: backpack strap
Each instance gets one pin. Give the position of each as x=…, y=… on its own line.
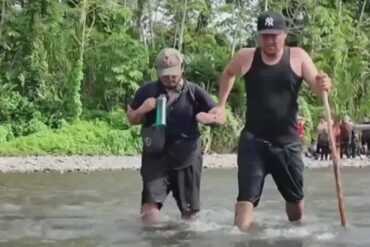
x=155, y=90
x=191, y=90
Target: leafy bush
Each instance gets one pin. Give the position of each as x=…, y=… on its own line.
x=6, y=133
x=81, y=138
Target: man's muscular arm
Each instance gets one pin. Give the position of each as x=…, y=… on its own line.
x=239, y=65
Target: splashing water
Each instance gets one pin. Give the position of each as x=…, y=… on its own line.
x=102, y=209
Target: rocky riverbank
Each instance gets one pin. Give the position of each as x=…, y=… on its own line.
x=100, y=163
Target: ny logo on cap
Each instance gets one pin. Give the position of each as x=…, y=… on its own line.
x=269, y=22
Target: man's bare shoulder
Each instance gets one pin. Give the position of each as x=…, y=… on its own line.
x=243, y=60
x=246, y=52
x=298, y=52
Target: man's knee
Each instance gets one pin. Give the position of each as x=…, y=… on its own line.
x=295, y=210
x=150, y=212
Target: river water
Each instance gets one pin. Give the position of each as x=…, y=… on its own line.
x=101, y=209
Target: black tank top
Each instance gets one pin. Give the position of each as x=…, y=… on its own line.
x=272, y=92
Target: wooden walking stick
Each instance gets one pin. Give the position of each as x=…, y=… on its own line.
x=335, y=159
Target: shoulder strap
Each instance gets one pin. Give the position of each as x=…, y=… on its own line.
x=155, y=90
x=191, y=89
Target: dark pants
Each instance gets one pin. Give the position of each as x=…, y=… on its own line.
x=366, y=141
x=345, y=149
x=323, y=149
x=257, y=158
x=355, y=149
x=160, y=177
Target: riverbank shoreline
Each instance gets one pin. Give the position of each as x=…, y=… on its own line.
x=63, y=164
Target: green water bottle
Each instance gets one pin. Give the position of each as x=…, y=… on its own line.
x=160, y=120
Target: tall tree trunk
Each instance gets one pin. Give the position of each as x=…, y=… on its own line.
x=139, y=15
x=83, y=27
x=313, y=21
x=339, y=13
x=176, y=34
x=152, y=36
x=362, y=12
x=241, y=9
x=181, y=36
x=237, y=27
x=3, y=6
x=73, y=103
x=266, y=5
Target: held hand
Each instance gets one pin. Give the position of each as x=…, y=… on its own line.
x=218, y=110
x=324, y=82
x=203, y=118
x=210, y=118
x=149, y=105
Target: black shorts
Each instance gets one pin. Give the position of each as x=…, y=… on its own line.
x=257, y=158
x=159, y=178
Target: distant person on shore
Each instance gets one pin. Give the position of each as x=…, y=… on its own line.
x=336, y=132
x=312, y=149
x=269, y=143
x=346, y=131
x=365, y=137
x=172, y=156
x=355, y=145
x=323, y=140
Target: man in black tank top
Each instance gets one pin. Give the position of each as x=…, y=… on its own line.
x=269, y=143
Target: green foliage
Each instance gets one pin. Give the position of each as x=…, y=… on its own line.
x=224, y=139
x=117, y=66
x=6, y=133
x=69, y=68
x=80, y=138
x=342, y=50
x=73, y=102
x=13, y=106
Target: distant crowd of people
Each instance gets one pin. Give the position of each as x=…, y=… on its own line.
x=350, y=142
